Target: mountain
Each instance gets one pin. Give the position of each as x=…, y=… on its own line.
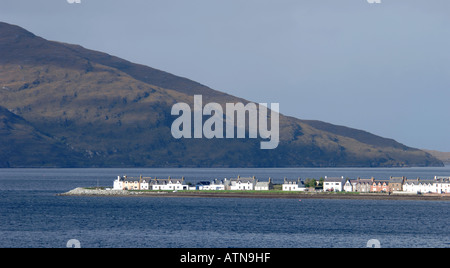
x=443, y=156
x=24, y=146
x=91, y=109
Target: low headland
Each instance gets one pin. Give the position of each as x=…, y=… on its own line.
x=272, y=194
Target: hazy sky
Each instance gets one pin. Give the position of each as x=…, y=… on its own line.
x=383, y=68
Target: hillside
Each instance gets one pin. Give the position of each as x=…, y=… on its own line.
x=24, y=146
x=114, y=113
x=443, y=156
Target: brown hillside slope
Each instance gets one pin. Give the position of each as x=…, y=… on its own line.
x=443, y=156
x=116, y=113
x=20, y=140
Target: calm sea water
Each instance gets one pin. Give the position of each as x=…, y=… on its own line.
x=31, y=215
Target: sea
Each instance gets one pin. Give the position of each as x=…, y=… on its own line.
x=32, y=215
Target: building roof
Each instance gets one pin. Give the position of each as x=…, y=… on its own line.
x=298, y=182
x=167, y=181
x=381, y=181
x=244, y=180
x=216, y=182
x=365, y=181
x=334, y=179
x=263, y=183
x=442, y=179
x=397, y=179
x=418, y=181
x=131, y=179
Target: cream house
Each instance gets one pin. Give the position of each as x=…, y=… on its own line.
x=131, y=183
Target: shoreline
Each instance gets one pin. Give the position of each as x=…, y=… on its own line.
x=255, y=195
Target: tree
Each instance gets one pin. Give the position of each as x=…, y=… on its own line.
x=321, y=182
x=311, y=183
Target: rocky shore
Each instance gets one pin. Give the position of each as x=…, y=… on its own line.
x=253, y=194
x=106, y=192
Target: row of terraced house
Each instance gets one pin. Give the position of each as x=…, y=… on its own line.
x=330, y=184
x=173, y=184
x=439, y=185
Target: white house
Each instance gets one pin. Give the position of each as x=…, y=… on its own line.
x=294, y=185
x=202, y=185
x=350, y=185
x=419, y=186
x=410, y=186
x=264, y=185
x=442, y=184
x=144, y=183
x=241, y=184
x=168, y=184
x=333, y=184
x=118, y=183
x=215, y=185
x=427, y=187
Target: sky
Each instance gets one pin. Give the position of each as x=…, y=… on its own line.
x=383, y=68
